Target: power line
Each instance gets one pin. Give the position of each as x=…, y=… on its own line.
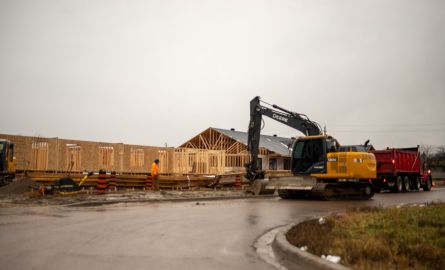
x=388, y=131
x=389, y=125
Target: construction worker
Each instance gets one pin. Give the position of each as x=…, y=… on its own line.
x=155, y=174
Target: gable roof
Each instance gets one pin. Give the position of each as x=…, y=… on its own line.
x=275, y=144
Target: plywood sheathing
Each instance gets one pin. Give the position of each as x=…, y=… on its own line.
x=55, y=154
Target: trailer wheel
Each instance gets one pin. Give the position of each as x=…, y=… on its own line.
x=428, y=184
x=417, y=184
x=398, y=185
x=406, y=184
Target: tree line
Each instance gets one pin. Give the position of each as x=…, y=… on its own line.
x=433, y=154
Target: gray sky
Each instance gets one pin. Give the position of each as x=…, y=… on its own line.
x=156, y=72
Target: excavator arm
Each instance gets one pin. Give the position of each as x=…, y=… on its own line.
x=292, y=119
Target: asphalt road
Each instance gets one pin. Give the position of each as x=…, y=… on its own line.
x=186, y=235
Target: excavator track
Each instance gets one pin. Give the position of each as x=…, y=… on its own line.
x=293, y=194
x=342, y=190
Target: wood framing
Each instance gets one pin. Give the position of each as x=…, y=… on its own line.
x=232, y=149
x=213, y=151
x=63, y=155
x=39, y=156
x=163, y=161
x=137, y=158
x=198, y=161
x=211, y=139
x=73, y=157
x=106, y=157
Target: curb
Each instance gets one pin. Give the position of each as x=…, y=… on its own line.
x=293, y=258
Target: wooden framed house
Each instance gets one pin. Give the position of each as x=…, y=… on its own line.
x=218, y=151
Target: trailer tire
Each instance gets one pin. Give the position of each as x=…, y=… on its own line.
x=416, y=183
x=428, y=184
x=398, y=184
x=406, y=184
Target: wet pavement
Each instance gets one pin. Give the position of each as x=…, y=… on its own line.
x=160, y=235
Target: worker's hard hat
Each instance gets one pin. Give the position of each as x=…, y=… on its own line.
x=156, y=160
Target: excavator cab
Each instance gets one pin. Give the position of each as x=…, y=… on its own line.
x=323, y=157
x=309, y=155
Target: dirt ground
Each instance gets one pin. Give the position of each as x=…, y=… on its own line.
x=24, y=192
x=19, y=186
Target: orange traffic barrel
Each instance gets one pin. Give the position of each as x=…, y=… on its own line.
x=112, y=181
x=101, y=185
x=149, y=182
x=238, y=181
x=42, y=190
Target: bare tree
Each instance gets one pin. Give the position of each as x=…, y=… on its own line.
x=427, y=152
x=440, y=153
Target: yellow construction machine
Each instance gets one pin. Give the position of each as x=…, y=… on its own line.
x=7, y=162
x=318, y=168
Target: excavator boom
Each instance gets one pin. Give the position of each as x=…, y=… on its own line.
x=292, y=119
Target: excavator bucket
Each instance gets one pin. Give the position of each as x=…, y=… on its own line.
x=260, y=187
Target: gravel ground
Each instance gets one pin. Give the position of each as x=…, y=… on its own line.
x=89, y=198
x=23, y=192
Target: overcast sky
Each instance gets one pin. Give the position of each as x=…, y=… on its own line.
x=159, y=72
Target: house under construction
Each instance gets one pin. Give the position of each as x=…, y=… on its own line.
x=219, y=151
x=66, y=155
x=213, y=151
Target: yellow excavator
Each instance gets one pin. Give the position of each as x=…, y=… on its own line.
x=7, y=162
x=319, y=169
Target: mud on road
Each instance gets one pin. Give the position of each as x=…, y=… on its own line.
x=89, y=198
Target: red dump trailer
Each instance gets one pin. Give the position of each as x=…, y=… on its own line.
x=401, y=170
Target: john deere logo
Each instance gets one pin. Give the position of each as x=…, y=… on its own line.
x=280, y=118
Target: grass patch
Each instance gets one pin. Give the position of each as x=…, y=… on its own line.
x=410, y=237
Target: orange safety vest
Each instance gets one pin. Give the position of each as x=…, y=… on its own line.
x=154, y=169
